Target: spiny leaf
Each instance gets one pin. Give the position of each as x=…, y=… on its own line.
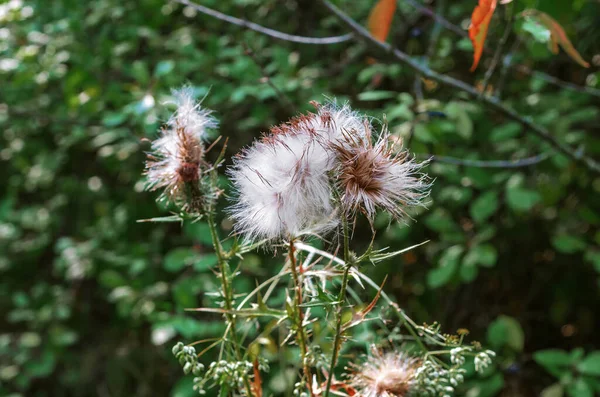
x=558, y=36
x=254, y=312
x=480, y=22
x=380, y=19
x=360, y=317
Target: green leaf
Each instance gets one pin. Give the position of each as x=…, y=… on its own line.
x=484, y=255
x=506, y=331
x=568, y=244
x=206, y=261
x=521, y=200
x=178, y=258
x=468, y=272
x=580, y=388
x=555, y=390
x=539, y=32
x=448, y=266
x=554, y=361
x=590, y=365
x=423, y=134
x=594, y=258
x=490, y=386
x=112, y=279
x=163, y=68
x=114, y=119
x=43, y=365
x=484, y=206
x=376, y=95
x=457, y=112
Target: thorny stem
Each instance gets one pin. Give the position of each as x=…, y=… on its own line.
x=301, y=336
x=337, y=340
x=227, y=291
x=406, y=321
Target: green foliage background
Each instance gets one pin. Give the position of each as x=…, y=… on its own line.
x=93, y=301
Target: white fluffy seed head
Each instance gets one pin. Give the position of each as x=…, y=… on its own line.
x=384, y=375
x=282, y=181
x=178, y=153
x=285, y=181
x=190, y=116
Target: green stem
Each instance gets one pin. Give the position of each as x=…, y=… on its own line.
x=301, y=336
x=227, y=291
x=341, y=299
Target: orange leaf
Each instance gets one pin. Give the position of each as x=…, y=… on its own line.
x=380, y=19
x=557, y=35
x=480, y=22
x=257, y=382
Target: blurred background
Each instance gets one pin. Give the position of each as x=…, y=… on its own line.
x=92, y=301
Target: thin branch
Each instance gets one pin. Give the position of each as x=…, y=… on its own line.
x=261, y=29
x=521, y=68
x=526, y=162
x=498, y=53
x=385, y=49
x=433, y=42
x=438, y=18
x=506, y=64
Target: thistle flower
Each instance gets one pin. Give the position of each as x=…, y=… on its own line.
x=177, y=155
x=282, y=181
x=376, y=175
x=383, y=375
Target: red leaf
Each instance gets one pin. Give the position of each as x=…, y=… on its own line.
x=557, y=35
x=380, y=19
x=480, y=22
x=257, y=381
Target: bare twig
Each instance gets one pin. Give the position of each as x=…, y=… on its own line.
x=389, y=51
x=487, y=163
x=521, y=68
x=506, y=64
x=261, y=29
x=498, y=53
x=433, y=41
x=438, y=18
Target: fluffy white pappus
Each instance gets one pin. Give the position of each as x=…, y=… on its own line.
x=189, y=115
x=334, y=122
x=282, y=187
x=378, y=175
x=178, y=153
x=384, y=375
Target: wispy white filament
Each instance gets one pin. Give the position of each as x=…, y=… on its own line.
x=177, y=154
x=282, y=181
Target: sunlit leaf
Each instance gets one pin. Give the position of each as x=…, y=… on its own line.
x=380, y=19
x=558, y=36
x=480, y=22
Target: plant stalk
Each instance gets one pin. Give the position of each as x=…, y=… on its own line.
x=227, y=291
x=337, y=340
x=301, y=336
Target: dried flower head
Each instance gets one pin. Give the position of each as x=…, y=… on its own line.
x=377, y=175
x=177, y=155
x=282, y=182
x=383, y=375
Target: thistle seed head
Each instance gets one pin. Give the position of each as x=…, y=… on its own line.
x=384, y=375
x=177, y=156
x=372, y=175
